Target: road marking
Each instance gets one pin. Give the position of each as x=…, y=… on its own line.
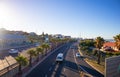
x=50, y=68
x=74, y=57
x=54, y=71
x=45, y=75
x=64, y=69
x=83, y=69
x=77, y=63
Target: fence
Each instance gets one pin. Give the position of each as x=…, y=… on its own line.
x=8, y=67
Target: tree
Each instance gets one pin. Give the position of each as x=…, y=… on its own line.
x=31, y=53
x=95, y=52
x=45, y=46
x=99, y=43
x=117, y=41
x=38, y=51
x=22, y=61
x=54, y=41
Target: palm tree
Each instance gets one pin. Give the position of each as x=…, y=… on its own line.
x=38, y=51
x=22, y=62
x=53, y=41
x=117, y=41
x=99, y=43
x=45, y=46
x=31, y=53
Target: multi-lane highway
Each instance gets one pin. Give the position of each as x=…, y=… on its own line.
x=68, y=68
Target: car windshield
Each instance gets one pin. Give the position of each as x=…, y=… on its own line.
x=59, y=57
x=12, y=49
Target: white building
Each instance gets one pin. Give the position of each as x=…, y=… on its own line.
x=67, y=37
x=11, y=40
x=59, y=36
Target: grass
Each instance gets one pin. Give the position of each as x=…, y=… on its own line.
x=99, y=67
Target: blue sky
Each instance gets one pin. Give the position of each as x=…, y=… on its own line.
x=85, y=18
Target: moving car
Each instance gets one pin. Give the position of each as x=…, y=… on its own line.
x=59, y=57
x=12, y=51
x=77, y=54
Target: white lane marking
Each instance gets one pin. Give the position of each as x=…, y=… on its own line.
x=77, y=64
x=54, y=72
x=83, y=69
x=74, y=57
x=64, y=69
x=50, y=68
x=56, y=67
x=45, y=75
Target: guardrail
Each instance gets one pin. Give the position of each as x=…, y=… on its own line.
x=8, y=68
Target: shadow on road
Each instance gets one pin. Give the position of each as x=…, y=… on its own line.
x=58, y=69
x=71, y=66
x=91, y=71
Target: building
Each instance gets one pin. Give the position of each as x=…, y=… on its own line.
x=46, y=38
x=67, y=37
x=59, y=36
x=109, y=46
x=32, y=33
x=11, y=40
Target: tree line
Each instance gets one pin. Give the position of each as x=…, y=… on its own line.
x=88, y=44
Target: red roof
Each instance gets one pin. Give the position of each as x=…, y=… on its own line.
x=109, y=44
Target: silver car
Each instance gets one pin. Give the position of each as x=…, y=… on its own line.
x=77, y=54
x=12, y=51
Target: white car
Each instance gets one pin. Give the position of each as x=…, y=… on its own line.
x=12, y=51
x=77, y=54
x=59, y=57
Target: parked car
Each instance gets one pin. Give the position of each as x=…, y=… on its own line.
x=13, y=51
x=77, y=54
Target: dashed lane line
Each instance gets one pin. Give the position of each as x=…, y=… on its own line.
x=45, y=75
x=77, y=63
x=50, y=68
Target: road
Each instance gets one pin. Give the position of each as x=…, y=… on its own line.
x=68, y=68
x=86, y=67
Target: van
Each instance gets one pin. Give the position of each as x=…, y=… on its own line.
x=59, y=57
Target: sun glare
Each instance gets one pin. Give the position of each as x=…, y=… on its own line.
x=6, y=14
x=3, y=10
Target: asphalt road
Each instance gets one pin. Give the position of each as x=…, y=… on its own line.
x=86, y=67
x=49, y=68
x=68, y=68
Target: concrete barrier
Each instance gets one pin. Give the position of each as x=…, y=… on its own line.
x=112, y=67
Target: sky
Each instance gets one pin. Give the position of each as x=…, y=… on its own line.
x=77, y=18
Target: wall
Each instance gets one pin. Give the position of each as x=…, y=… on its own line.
x=112, y=67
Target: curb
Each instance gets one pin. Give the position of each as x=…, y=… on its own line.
x=89, y=63
x=94, y=67
x=24, y=75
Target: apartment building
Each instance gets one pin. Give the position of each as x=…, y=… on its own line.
x=11, y=40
